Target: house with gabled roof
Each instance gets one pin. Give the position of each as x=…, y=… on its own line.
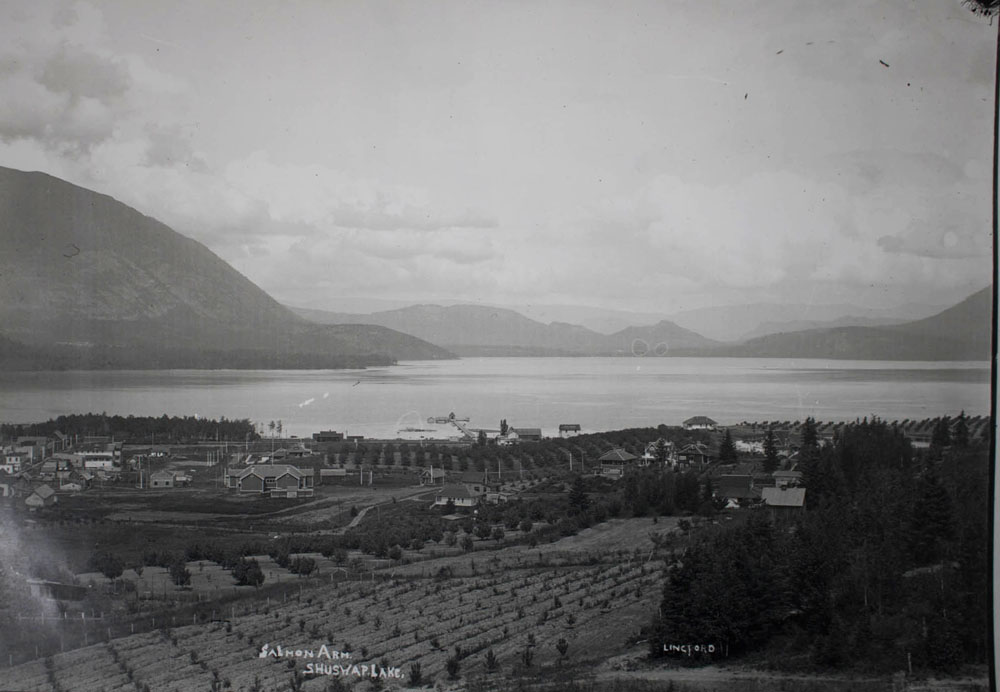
x=699, y=423
x=458, y=495
x=616, y=462
x=275, y=480
x=42, y=496
x=162, y=479
x=649, y=454
x=784, y=503
x=569, y=429
x=433, y=476
x=529, y=434
x=786, y=479
x=737, y=490
x=694, y=454
x=13, y=461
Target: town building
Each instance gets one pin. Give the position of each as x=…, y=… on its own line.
x=569, y=430
x=275, y=480
x=42, y=496
x=700, y=423
x=458, y=495
x=13, y=461
x=529, y=434
x=669, y=449
x=736, y=490
x=784, y=503
x=787, y=479
x=695, y=454
x=616, y=462
x=56, y=591
x=328, y=436
x=433, y=476
x=161, y=479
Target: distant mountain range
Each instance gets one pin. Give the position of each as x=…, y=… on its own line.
x=961, y=332
x=736, y=323
x=88, y=282
x=476, y=330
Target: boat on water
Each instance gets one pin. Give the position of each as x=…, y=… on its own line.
x=444, y=420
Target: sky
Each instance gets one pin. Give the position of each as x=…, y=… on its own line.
x=647, y=156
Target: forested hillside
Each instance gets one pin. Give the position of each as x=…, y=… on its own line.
x=889, y=565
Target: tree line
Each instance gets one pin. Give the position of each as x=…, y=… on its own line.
x=888, y=566
x=137, y=429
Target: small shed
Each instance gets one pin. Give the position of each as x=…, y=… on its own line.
x=42, y=496
x=433, y=476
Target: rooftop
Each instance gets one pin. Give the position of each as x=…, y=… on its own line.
x=784, y=497
x=617, y=455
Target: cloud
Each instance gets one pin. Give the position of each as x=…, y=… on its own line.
x=949, y=241
x=64, y=89
x=319, y=195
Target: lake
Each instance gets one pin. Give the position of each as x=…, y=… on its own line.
x=597, y=393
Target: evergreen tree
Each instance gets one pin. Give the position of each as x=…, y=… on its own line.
x=941, y=436
x=578, y=499
x=686, y=492
x=660, y=452
x=961, y=435
x=179, y=573
x=770, y=452
x=708, y=490
x=810, y=436
x=931, y=526
x=727, y=451
x=248, y=572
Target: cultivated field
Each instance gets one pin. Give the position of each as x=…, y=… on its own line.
x=395, y=623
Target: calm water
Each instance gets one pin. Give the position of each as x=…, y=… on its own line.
x=597, y=393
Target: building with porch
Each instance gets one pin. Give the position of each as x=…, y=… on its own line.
x=616, y=462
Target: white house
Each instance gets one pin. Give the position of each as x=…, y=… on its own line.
x=13, y=461
x=749, y=446
x=161, y=479
x=649, y=455
x=700, y=423
x=98, y=461
x=459, y=495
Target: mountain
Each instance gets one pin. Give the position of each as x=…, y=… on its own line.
x=476, y=330
x=740, y=322
x=88, y=282
x=602, y=320
x=778, y=327
x=961, y=332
